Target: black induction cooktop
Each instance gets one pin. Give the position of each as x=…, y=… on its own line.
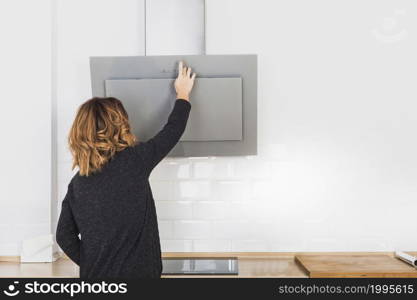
x=200, y=266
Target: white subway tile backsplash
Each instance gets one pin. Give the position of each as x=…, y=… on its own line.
x=263, y=189
x=252, y=167
x=249, y=246
x=193, y=190
x=237, y=210
x=217, y=167
x=212, y=245
x=203, y=169
x=166, y=229
x=276, y=151
x=397, y=241
x=320, y=244
x=192, y=229
x=269, y=230
x=174, y=210
x=369, y=244
x=231, y=190
x=211, y=210
x=285, y=245
x=230, y=229
x=180, y=245
x=162, y=190
x=260, y=209
x=170, y=170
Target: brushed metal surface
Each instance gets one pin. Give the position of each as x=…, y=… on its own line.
x=212, y=118
x=243, y=66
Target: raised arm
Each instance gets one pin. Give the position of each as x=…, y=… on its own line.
x=154, y=150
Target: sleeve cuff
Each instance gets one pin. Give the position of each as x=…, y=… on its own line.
x=183, y=103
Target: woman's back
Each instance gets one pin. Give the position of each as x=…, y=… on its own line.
x=115, y=213
x=108, y=223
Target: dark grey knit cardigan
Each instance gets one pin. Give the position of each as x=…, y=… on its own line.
x=113, y=210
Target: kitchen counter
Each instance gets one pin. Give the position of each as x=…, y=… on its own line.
x=277, y=265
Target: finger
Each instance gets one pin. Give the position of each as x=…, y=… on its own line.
x=189, y=72
x=184, y=71
x=180, y=68
x=193, y=77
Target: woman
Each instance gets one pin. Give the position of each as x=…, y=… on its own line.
x=109, y=201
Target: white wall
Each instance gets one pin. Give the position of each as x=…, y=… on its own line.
x=175, y=27
x=336, y=168
x=25, y=152
x=337, y=119
x=89, y=28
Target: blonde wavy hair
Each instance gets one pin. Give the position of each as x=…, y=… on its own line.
x=100, y=129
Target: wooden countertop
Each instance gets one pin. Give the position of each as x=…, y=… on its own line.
x=251, y=264
x=355, y=266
